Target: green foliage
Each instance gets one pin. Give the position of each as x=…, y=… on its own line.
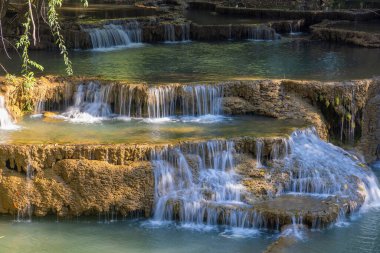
x=348, y=116
x=56, y=30
x=9, y=78
x=28, y=65
x=337, y=101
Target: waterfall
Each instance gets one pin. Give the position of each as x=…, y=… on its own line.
x=170, y=33
x=261, y=32
x=320, y=168
x=6, y=122
x=161, y=102
x=203, y=191
x=198, y=186
x=185, y=30
x=280, y=149
x=202, y=100
x=295, y=27
x=40, y=107
x=198, y=100
x=90, y=103
x=25, y=213
x=259, y=153
x=93, y=102
x=112, y=35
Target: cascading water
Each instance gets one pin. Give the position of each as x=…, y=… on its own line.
x=260, y=32
x=93, y=102
x=25, y=212
x=6, y=122
x=115, y=35
x=199, y=100
x=259, y=153
x=202, y=100
x=322, y=169
x=197, y=184
x=295, y=27
x=170, y=33
x=161, y=102
x=90, y=103
x=205, y=191
x=185, y=28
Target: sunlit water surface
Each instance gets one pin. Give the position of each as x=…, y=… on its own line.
x=166, y=130
x=195, y=61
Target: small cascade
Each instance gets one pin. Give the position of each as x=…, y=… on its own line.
x=320, y=168
x=198, y=186
x=185, y=30
x=161, y=102
x=93, y=102
x=115, y=35
x=25, y=212
x=259, y=153
x=280, y=149
x=40, y=107
x=294, y=230
x=170, y=33
x=201, y=100
x=261, y=32
x=295, y=27
x=90, y=102
x=6, y=122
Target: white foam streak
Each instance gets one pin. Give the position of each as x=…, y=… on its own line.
x=6, y=122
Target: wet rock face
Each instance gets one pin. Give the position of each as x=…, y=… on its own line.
x=326, y=31
x=370, y=141
x=315, y=212
x=271, y=98
x=77, y=187
x=342, y=105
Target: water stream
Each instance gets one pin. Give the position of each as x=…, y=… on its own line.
x=6, y=122
x=94, y=102
x=112, y=36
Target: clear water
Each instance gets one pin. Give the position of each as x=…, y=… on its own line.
x=166, y=130
x=129, y=236
x=189, y=62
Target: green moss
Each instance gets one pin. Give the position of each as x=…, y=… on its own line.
x=327, y=104
x=348, y=116
x=337, y=101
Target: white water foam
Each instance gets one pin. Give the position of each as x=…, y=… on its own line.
x=6, y=122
